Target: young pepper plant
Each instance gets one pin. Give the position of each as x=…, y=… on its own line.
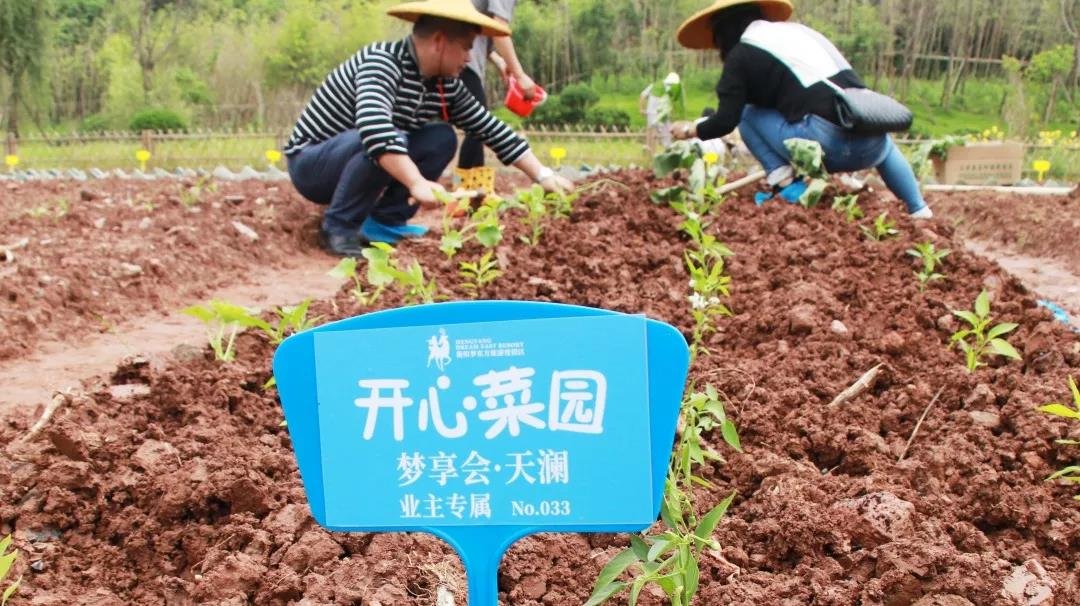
x=224, y=321
x=881, y=229
x=1070, y=474
x=476, y=275
x=346, y=270
x=981, y=340
x=931, y=258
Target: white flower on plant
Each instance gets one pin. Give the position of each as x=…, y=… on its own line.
x=697, y=301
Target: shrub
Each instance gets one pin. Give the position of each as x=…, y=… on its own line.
x=607, y=116
x=94, y=124
x=159, y=119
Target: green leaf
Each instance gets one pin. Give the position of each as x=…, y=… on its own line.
x=731, y=434
x=6, y=561
x=1060, y=410
x=1061, y=473
x=1001, y=329
x=708, y=523
x=615, y=567
x=1068, y=442
x=10, y=591
x=1075, y=392
x=639, y=547
x=1003, y=348
x=344, y=270
x=968, y=317
x=201, y=313
x=658, y=548
x=603, y=594
x=489, y=235
x=982, y=304
x=693, y=573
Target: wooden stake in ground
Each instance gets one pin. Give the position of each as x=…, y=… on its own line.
x=864, y=383
x=919, y=424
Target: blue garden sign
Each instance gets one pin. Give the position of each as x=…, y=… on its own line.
x=483, y=422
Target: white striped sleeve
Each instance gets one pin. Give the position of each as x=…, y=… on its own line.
x=467, y=113
x=377, y=81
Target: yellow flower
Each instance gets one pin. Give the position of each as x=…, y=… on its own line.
x=273, y=155
x=711, y=158
x=11, y=160
x=142, y=155
x=558, y=153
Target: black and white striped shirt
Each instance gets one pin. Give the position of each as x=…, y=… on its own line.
x=379, y=91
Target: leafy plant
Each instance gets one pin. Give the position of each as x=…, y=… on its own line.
x=709, y=283
x=489, y=229
x=291, y=320
x=982, y=340
x=536, y=207
x=848, y=206
x=881, y=229
x=477, y=275
x=7, y=560
x=808, y=160
x=931, y=259
x=671, y=558
x=384, y=270
x=346, y=270
x=1070, y=474
x=224, y=321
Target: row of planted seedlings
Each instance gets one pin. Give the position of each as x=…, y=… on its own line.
x=669, y=554
x=981, y=338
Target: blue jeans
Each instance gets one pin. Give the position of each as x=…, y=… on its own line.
x=339, y=173
x=764, y=131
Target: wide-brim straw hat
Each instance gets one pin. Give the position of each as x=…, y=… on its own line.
x=696, y=32
x=457, y=10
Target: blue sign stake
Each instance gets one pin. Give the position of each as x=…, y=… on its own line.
x=484, y=422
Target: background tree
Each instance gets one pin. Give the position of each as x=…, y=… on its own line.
x=22, y=50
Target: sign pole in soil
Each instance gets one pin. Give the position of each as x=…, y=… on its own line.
x=484, y=422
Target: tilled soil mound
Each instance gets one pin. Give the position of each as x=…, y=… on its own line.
x=1038, y=226
x=92, y=255
x=177, y=485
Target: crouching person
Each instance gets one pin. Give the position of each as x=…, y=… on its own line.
x=376, y=136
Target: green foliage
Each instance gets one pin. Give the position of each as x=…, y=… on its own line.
x=157, y=119
x=931, y=258
x=290, y=320
x=981, y=340
x=570, y=106
x=882, y=228
x=6, y=562
x=384, y=270
x=607, y=117
x=23, y=44
x=346, y=270
x=95, y=123
x=300, y=56
x=224, y=321
x=848, y=206
x=1071, y=473
x=476, y=275
x=808, y=160
x=532, y=199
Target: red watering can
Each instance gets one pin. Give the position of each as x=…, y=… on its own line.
x=516, y=102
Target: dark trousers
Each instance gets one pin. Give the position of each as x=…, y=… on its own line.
x=472, y=150
x=339, y=173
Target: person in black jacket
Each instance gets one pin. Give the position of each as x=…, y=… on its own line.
x=774, y=88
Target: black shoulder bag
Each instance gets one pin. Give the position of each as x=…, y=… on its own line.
x=866, y=112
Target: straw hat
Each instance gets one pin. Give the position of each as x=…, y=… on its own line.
x=457, y=10
x=696, y=32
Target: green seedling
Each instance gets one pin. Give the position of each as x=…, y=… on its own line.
x=981, y=340
x=882, y=228
x=671, y=559
x=536, y=208
x=291, y=320
x=931, y=258
x=848, y=206
x=709, y=285
x=7, y=560
x=1070, y=474
x=55, y=209
x=384, y=270
x=489, y=229
x=477, y=275
x=346, y=270
x=808, y=160
x=224, y=321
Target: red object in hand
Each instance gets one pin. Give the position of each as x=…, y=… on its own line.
x=516, y=102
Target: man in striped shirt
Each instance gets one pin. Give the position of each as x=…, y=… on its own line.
x=377, y=131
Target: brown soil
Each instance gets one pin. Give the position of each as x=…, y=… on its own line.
x=1039, y=226
x=174, y=483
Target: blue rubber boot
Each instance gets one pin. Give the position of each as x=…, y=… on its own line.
x=375, y=231
x=761, y=197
